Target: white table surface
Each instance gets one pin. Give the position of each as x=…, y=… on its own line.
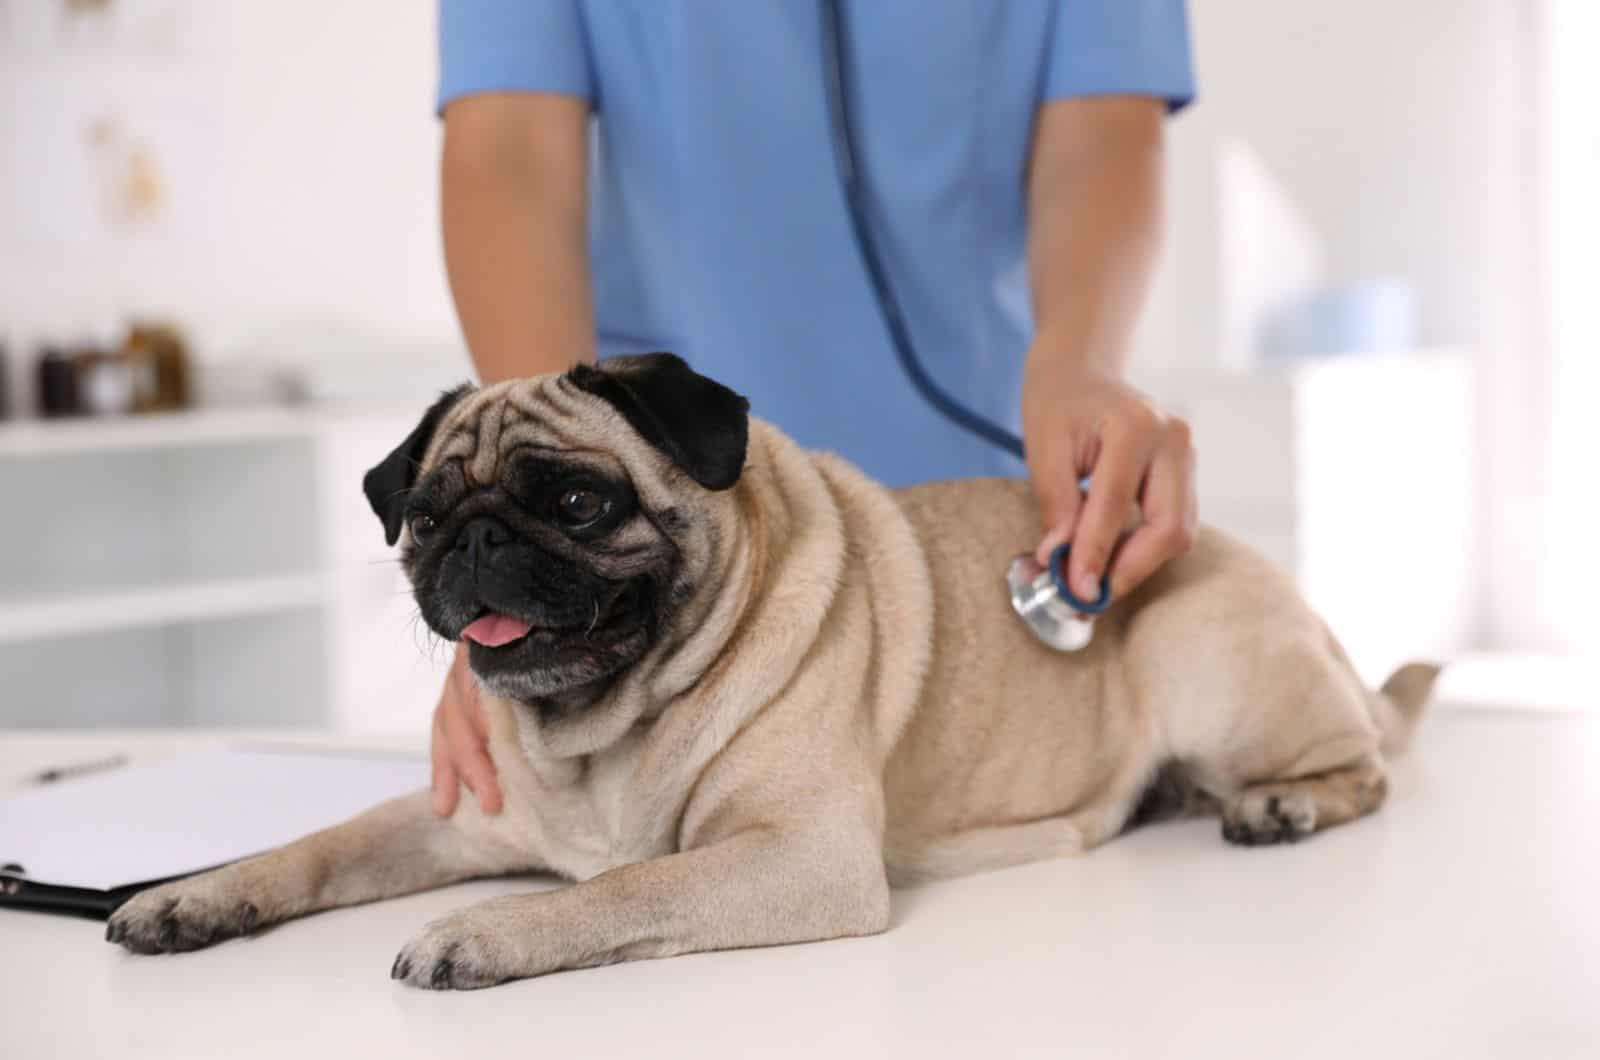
x=1462, y=921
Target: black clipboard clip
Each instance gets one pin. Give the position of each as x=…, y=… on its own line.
x=17, y=891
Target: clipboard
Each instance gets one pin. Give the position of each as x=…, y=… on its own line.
x=82, y=847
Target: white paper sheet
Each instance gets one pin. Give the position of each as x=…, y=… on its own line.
x=145, y=822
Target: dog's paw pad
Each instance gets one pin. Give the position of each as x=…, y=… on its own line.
x=171, y=920
x=450, y=956
x=1261, y=818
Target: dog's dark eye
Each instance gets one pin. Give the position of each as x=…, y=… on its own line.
x=579, y=507
x=422, y=526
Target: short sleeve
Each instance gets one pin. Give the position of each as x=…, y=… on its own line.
x=1121, y=47
x=512, y=46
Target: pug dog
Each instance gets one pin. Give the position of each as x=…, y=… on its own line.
x=736, y=690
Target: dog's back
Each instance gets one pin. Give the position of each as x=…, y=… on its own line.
x=1216, y=665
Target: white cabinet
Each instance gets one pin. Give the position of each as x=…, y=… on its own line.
x=206, y=568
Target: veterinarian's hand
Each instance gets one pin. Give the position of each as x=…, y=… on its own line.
x=461, y=743
x=1141, y=461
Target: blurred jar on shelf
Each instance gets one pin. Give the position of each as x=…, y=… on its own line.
x=158, y=361
x=57, y=383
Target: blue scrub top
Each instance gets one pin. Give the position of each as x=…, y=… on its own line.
x=718, y=228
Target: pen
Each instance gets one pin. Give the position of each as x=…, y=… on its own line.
x=99, y=765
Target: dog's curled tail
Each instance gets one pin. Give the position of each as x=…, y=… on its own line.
x=1397, y=706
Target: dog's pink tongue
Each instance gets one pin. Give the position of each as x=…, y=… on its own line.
x=494, y=630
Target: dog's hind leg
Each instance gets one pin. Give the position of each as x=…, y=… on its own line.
x=1288, y=745
x=1001, y=846
x=1282, y=811
x=985, y=849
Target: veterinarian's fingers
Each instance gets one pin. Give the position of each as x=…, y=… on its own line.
x=1060, y=502
x=1125, y=454
x=469, y=740
x=444, y=776
x=1170, y=514
x=480, y=777
x=459, y=740
x=472, y=704
x=471, y=761
x=446, y=782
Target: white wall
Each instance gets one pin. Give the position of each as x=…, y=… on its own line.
x=1404, y=133
x=1569, y=582
x=1398, y=130
x=301, y=151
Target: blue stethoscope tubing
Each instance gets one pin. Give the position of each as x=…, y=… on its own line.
x=836, y=78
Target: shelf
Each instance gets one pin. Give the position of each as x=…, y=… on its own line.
x=33, y=618
x=157, y=430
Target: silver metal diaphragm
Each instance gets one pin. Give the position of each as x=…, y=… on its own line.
x=1036, y=600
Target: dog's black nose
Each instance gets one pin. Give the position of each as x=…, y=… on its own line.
x=481, y=537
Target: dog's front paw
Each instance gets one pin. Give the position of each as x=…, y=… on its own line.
x=1264, y=816
x=462, y=951
x=185, y=915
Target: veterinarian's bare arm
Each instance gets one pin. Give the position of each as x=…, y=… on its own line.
x=515, y=230
x=1094, y=225
x=514, y=190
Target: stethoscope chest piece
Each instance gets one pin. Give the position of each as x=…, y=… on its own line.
x=1041, y=598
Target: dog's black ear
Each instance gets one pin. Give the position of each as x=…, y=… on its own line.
x=701, y=424
x=387, y=484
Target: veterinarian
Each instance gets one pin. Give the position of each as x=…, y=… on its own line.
x=1013, y=151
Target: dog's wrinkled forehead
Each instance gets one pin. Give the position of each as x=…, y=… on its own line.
x=667, y=426
x=542, y=413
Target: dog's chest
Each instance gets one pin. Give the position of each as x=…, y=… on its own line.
x=585, y=816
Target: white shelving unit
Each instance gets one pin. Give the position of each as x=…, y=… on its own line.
x=75, y=613
x=33, y=438
x=204, y=568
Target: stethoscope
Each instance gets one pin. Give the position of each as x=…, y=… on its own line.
x=1039, y=595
